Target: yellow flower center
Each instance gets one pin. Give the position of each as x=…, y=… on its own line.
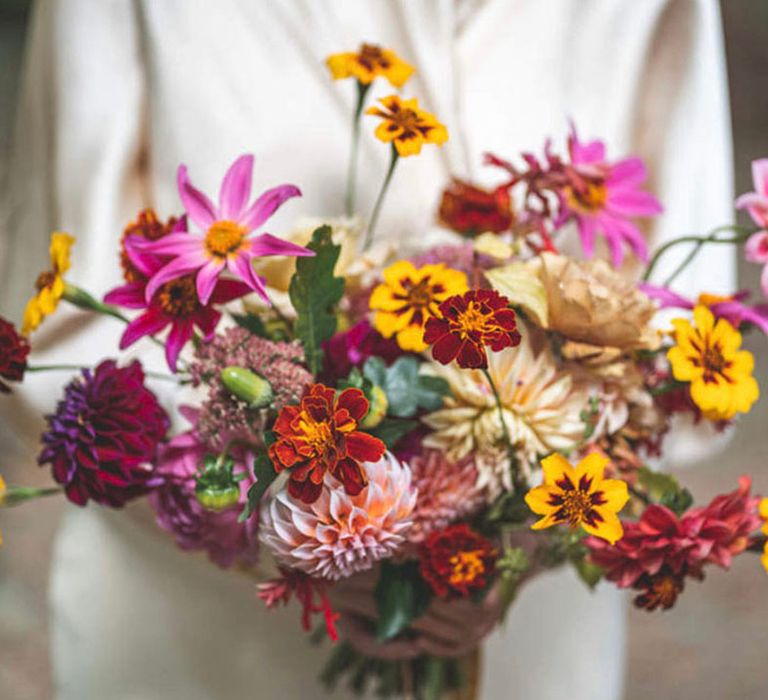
x=576, y=506
x=179, y=297
x=316, y=433
x=421, y=294
x=587, y=200
x=472, y=321
x=45, y=279
x=467, y=566
x=224, y=238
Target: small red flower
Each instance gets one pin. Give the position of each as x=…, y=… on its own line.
x=320, y=435
x=146, y=226
x=660, y=590
x=456, y=561
x=468, y=323
x=14, y=349
x=470, y=210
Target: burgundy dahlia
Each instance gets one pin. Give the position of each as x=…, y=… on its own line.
x=104, y=435
x=470, y=210
x=14, y=349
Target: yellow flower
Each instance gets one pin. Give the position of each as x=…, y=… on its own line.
x=409, y=296
x=708, y=357
x=764, y=516
x=50, y=284
x=579, y=496
x=369, y=63
x=407, y=126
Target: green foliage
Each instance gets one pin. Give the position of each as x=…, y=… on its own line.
x=589, y=573
x=407, y=390
x=314, y=292
x=665, y=489
x=512, y=566
x=265, y=474
x=252, y=323
x=392, y=430
x=510, y=507
x=401, y=596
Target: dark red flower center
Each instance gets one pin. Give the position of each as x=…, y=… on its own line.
x=179, y=297
x=45, y=279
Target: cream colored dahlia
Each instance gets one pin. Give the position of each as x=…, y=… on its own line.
x=447, y=491
x=541, y=404
x=339, y=535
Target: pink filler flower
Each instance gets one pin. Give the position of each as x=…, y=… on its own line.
x=756, y=203
x=225, y=242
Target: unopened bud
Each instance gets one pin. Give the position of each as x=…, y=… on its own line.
x=377, y=409
x=248, y=386
x=215, y=487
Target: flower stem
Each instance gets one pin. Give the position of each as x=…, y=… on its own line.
x=380, y=200
x=518, y=479
x=17, y=495
x=79, y=368
x=712, y=237
x=349, y=200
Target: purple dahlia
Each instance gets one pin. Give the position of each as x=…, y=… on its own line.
x=103, y=438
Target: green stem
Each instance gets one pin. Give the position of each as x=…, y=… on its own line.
x=380, y=200
x=17, y=495
x=349, y=200
x=78, y=368
x=518, y=479
x=700, y=241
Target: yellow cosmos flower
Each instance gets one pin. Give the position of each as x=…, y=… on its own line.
x=369, y=63
x=708, y=357
x=407, y=126
x=409, y=296
x=579, y=497
x=764, y=516
x=50, y=284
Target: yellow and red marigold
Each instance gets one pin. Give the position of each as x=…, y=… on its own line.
x=467, y=323
x=579, y=497
x=406, y=126
x=368, y=63
x=321, y=435
x=456, y=561
x=50, y=284
x=470, y=210
x=409, y=296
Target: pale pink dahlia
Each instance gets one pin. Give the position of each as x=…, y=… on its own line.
x=447, y=491
x=756, y=203
x=339, y=535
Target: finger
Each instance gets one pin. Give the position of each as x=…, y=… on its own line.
x=358, y=633
x=435, y=627
x=360, y=605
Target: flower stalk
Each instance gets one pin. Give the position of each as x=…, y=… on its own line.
x=369, y=235
x=16, y=495
x=349, y=199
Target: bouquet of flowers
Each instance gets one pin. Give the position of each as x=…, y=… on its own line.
x=431, y=429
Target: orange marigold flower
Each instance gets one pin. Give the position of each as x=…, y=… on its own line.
x=148, y=227
x=320, y=435
x=368, y=63
x=406, y=126
x=456, y=561
x=469, y=322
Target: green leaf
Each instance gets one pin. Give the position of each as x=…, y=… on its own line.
x=665, y=489
x=407, y=390
x=265, y=474
x=251, y=323
x=392, y=430
x=588, y=572
x=314, y=292
x=401, y=596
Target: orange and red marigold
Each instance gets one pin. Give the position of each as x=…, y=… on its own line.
x=469, y=322
x=456, y=561
x=321, y=435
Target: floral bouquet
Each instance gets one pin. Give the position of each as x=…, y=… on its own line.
x=400, y=442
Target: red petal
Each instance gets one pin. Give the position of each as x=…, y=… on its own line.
x=446, y=348
x=364, y=447
x=354, y=401
x=471, y=356
x=350, y=473
x=305, y=490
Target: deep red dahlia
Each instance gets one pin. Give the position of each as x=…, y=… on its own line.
x=320, y=435
x=470, y=210
x=14, y=349
x=660, y=590
x=456, y=561
x=468, y=323
x=104, y=435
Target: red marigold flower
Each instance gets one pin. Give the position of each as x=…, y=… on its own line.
x=104, y=435
x=662, y=544
x=146, y=226
x=320, y=435
x=14, y=349
x=470, y=210
x=468, y=323
x=457, y=560
x=660, y=590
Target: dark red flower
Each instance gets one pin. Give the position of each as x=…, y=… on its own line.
x=148, y=227
x=320, y=435
x=14, y=349
x=470, y=210
x=104, y=436
x=456, y=561
x=468, y=323
x=660, y=590
x=351, y=348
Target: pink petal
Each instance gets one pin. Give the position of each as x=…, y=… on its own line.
x=631, y=202
x=756, y=247
x=149, y=323
x=666, y=297
x=760, y=175
x=630, y=171
x=587, y=235
x=764, y=280
x=130, y=296
x=181, y=332
x=176, y=268
x=243, y=268
x=206, y=321
x=236, y=188
x=198, y=206
x=757, y=206
x=206, y=279
x=266, y=205
x=172, y=244
x=145, y=263
x=633, y=237
x=613, y=237
x=267, y=244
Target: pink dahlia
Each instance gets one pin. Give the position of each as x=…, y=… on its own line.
x=178, y=511
x=175, y=303
x=225, y=240
x=339, y=535
x=104, y=436
x=756, y=203
x=604, y=197
x=447, y=491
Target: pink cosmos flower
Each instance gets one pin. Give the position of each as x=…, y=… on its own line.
x=224, y=241
x=175, y=303
x=731, y=308
x=604, y=197
x=756, y=203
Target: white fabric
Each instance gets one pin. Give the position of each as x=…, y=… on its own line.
x=119, y=92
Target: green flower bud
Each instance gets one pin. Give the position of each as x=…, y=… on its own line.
x=216, y=487
x=248, y=386
x=377, y=409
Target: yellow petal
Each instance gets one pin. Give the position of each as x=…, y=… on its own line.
x=538, y=499
x=412, y=339
x=745, y=393
x=555, y=467
x=383, y=299
x=386, y=134
x=705, y=320
x=593, y=467
x=764, y=509
x=338, y=64
x=32, y=316
x=610, y=529
x=396, y=272
x=437, y=135
x=410, y=146
x=616, y=494
x=742, y=363
x=545, y=522
x=764, y=558
x=59, y=251
x=682, y=368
